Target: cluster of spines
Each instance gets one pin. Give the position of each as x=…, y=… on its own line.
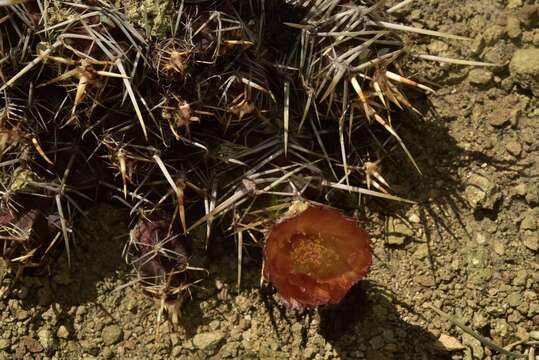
x=235, y=113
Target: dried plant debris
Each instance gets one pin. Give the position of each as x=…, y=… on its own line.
x=205, y=114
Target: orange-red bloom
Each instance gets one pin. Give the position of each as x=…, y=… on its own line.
x=314, y=257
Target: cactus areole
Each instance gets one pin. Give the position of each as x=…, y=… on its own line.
x=314, y=257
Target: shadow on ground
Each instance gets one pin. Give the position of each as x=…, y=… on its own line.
x=367, y=324
x=96, y=255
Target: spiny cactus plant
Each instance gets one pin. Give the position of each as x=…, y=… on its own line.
x=241, y=110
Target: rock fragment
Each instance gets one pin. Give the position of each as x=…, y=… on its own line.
x=31, y=344
x=46, y=339
x=208, y=340
x=425, y=280
x=62, y=332
x=513, y=147
x=531, y=241
x=111, y=334
x=524, y=68
x=513, y=27
x=529, y=222
x=449, y=343
x=513, y=4
x=397, y=232
x=493, y=33
x=499, y=247
x=474, y=344
x=422, y=251
x=479, y=76
x=4, y=344
x=481, y=192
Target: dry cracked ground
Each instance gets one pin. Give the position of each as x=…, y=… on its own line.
x=469, y=248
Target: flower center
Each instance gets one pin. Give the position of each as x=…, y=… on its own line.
x=314, y=254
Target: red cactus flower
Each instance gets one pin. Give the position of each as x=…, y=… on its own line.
x=314, y=257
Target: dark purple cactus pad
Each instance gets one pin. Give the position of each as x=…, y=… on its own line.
x=159, y=252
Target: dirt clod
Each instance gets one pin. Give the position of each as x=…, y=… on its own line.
x=481, y=192
x=531, y=241
x=208, y=341
x=4, y=344
x=524, y=68
x=450, y=343
x=513, y=147
x=479, y=76
x=111, y=334
x=398, y=232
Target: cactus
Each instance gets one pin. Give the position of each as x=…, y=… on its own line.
x=241, y=110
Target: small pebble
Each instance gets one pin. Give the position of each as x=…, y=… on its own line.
x=31, y=344
x=513, y=4
x=414, y=218
x=520, y=278
x=474, y=344
x=531, y=241
x=492, y=34
x=422, y=251
x=425, y=280
x=499, y=247
x=481, y=192
x=479, y=76
x=480, y=238
x=535, y=39
x=450, y=343
x=62, y=332
x=524, y=68
x=176, y=351
x=46, y=339
x=22, y=314
x=4, y=344
x=111, y=334
x=529, y=222
x=514, y=299
x=520, y=189
x=398, y=232
x=208, y=340
x=499, y=118
x=532, y=196
x=513, y=27
x=513, y=147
